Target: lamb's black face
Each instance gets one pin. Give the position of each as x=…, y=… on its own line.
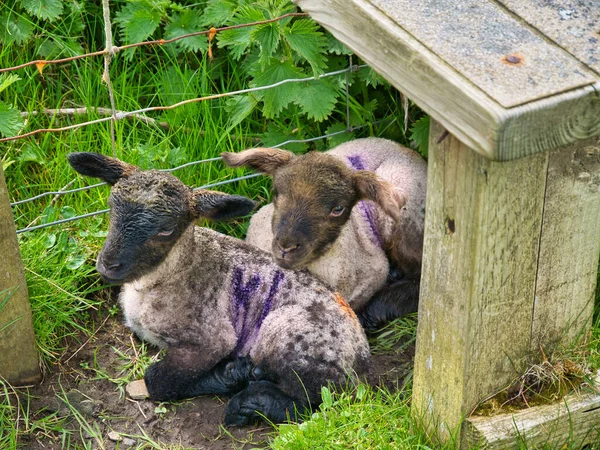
x=313, y=201
x=149, y=212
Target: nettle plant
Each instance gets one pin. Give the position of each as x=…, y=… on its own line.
x=294, y=47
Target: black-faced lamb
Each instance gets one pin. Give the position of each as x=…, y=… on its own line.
x=352, y=216
x=230, y=319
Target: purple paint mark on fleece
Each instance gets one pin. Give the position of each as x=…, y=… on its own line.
x=368, y=209
x=246, y=317
x=277, y=279
x=242, y=293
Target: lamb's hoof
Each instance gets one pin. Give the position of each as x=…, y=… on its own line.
x=242, y=410
x=137, y=390
x=262, y=400
x=238, y=372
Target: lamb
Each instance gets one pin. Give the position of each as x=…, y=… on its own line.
x=353, y=216
x=230, y=319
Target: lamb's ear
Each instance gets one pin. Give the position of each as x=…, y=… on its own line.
x=382, y=192
x=266, y=160
x=219, y=206
x=99, y=166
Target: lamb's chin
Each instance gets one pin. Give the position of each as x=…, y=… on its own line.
x=287, y=264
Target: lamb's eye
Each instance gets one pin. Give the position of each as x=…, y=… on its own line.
x=337, y=211
x=164, y=233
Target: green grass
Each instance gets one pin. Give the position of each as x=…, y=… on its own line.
x=64, y=289
x=360, y=418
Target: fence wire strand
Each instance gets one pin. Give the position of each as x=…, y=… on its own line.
x=206, y=186
x=114, y=49
x=115, y=115
x=123, y=115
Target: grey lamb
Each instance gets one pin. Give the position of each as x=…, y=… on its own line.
x=230, y=319
x=353, y=216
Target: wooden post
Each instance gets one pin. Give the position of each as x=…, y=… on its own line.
x=511, y=248
x=498, y=236
x=18, y=356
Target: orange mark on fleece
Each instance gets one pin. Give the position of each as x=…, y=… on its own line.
x=345, y=307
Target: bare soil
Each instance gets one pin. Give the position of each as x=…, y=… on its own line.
x=82, y=378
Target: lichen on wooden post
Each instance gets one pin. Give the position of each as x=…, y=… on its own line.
x=495, y=288
x=19, y=363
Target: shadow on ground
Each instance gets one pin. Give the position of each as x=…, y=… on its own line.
x=87, y=389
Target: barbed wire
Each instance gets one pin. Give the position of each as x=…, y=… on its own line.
x=123, y=115
x=115, y=49
x=206, y=186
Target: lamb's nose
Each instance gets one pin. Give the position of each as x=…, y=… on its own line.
x=113, y=266
x=287, y=249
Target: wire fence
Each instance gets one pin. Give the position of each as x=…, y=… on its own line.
x=115, y=115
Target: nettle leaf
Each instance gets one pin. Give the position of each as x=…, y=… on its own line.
x=43, y=9
x=15, y=28
x=138, y=19
x=275, y=8
x=335, y=46
x=31, y=154
x=10, y=120
x=188, y=22
x=277, y=98
x=240, y=39
x=176, y=156
x=370, y=77
x=317, y=99
x=177, y=84
x=307, y=42
x=278, y=133
x=218, y=12
x=239, y=107
x=267, y=36
x=419, y=134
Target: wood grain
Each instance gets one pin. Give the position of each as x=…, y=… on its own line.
x=482, y=230
x=549, y=123
x=480, y=40
x=572, y=423
x=436, y=86
x=569, y=247
x=18, y=357
x=411, y=67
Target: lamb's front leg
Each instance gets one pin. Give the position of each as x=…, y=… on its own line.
x=180, y=375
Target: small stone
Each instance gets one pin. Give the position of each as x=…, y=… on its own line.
x=128, y=442
x=114, y=436
x=137, y=390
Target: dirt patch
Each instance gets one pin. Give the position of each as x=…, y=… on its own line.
x=88, y=388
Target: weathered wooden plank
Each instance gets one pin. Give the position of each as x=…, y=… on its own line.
x=464, y=110
x=508, y=60
x=569, y=246
x=572, y=423
x=482, y=231
x=18, y=357
x=572, y=24
x=412, y=68
x=549, y=123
